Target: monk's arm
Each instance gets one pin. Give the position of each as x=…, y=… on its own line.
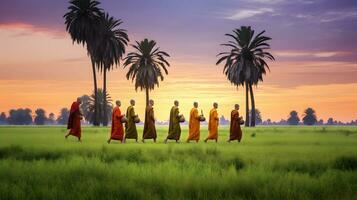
x=216, y=116
x=152, y=115
x=177, y=112
x=197, y=116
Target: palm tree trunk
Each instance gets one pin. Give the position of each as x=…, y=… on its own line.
x=252, y=120
x=246, y=104
x=105, y=115
x=147, y=96
x=95, y=115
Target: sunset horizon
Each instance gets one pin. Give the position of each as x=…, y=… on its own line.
x=316, y=65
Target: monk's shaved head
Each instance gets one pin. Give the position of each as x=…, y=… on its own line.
x=118, y=103
x=132, y=102
x=79, y=100
x=215, y=105
x=176, y=103
x=151, y=102
x=236, y=106
x=195, y=104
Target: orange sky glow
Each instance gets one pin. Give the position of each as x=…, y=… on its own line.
x=40, y=69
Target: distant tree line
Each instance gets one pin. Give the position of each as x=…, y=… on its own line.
x=24, y=116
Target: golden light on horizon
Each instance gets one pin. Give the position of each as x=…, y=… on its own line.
x=39, y=70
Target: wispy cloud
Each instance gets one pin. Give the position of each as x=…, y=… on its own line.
x=329, y=16
x=315, y=54
x=23, y=29
x=248, y=13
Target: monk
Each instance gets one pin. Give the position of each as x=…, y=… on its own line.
x=149, y=125
x=74, y=120
x=213, y=124
x=235, y=130
x=194, y=124
x=117, y=130
x=130, y=126
x=174, y=125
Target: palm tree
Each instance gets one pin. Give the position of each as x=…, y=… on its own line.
x=245, y=62
x=82, y=20
x=145, y=65
x=107, y=103
x=110, y=48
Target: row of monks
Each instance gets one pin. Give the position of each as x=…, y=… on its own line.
x=174, y=133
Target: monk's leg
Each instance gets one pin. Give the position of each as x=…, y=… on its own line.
x=165, y=141
x=154, y=140
x=110, y=139
x=66, y=136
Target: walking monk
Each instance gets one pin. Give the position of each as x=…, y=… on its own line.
x=194, y=124
x=74, y=120
x=149, y=125
x=213, y=124
x=235, y=130
x=130, y=126
x=117, y=131
x=174, y=125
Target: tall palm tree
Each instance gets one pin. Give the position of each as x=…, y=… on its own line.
x=245, y=62
x=82, y=19
x=145, y=65
x=110, y=48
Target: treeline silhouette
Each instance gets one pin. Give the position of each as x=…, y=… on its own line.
x=25, y=116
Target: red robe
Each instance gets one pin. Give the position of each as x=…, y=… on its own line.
x=74, y=120
x=235, y=130
x=117, y=132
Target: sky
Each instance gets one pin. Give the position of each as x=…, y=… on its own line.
x=313, y=41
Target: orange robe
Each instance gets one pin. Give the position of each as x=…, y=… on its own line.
x=74, y=120
x=117, y=132
x=213, y=124
x=194, y=125
x=235, y=130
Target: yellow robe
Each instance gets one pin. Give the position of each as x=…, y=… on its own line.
x=194, y=125
x=213, y=124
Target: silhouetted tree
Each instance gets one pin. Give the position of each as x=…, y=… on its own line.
x=63, y=116
x=3, y=119
x=101, y=103
x=245, y=63
x=51, y=119
x=40, y=116
x=82, y=21
x=86, y=108
x=293, y=118
x=111, y=47
x=258, y=116
x=330, y=121
x=20, y=116
x=146, y=65
x=320, y=122
x=309, y=117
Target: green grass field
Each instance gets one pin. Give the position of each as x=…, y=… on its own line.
x=276, y=163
